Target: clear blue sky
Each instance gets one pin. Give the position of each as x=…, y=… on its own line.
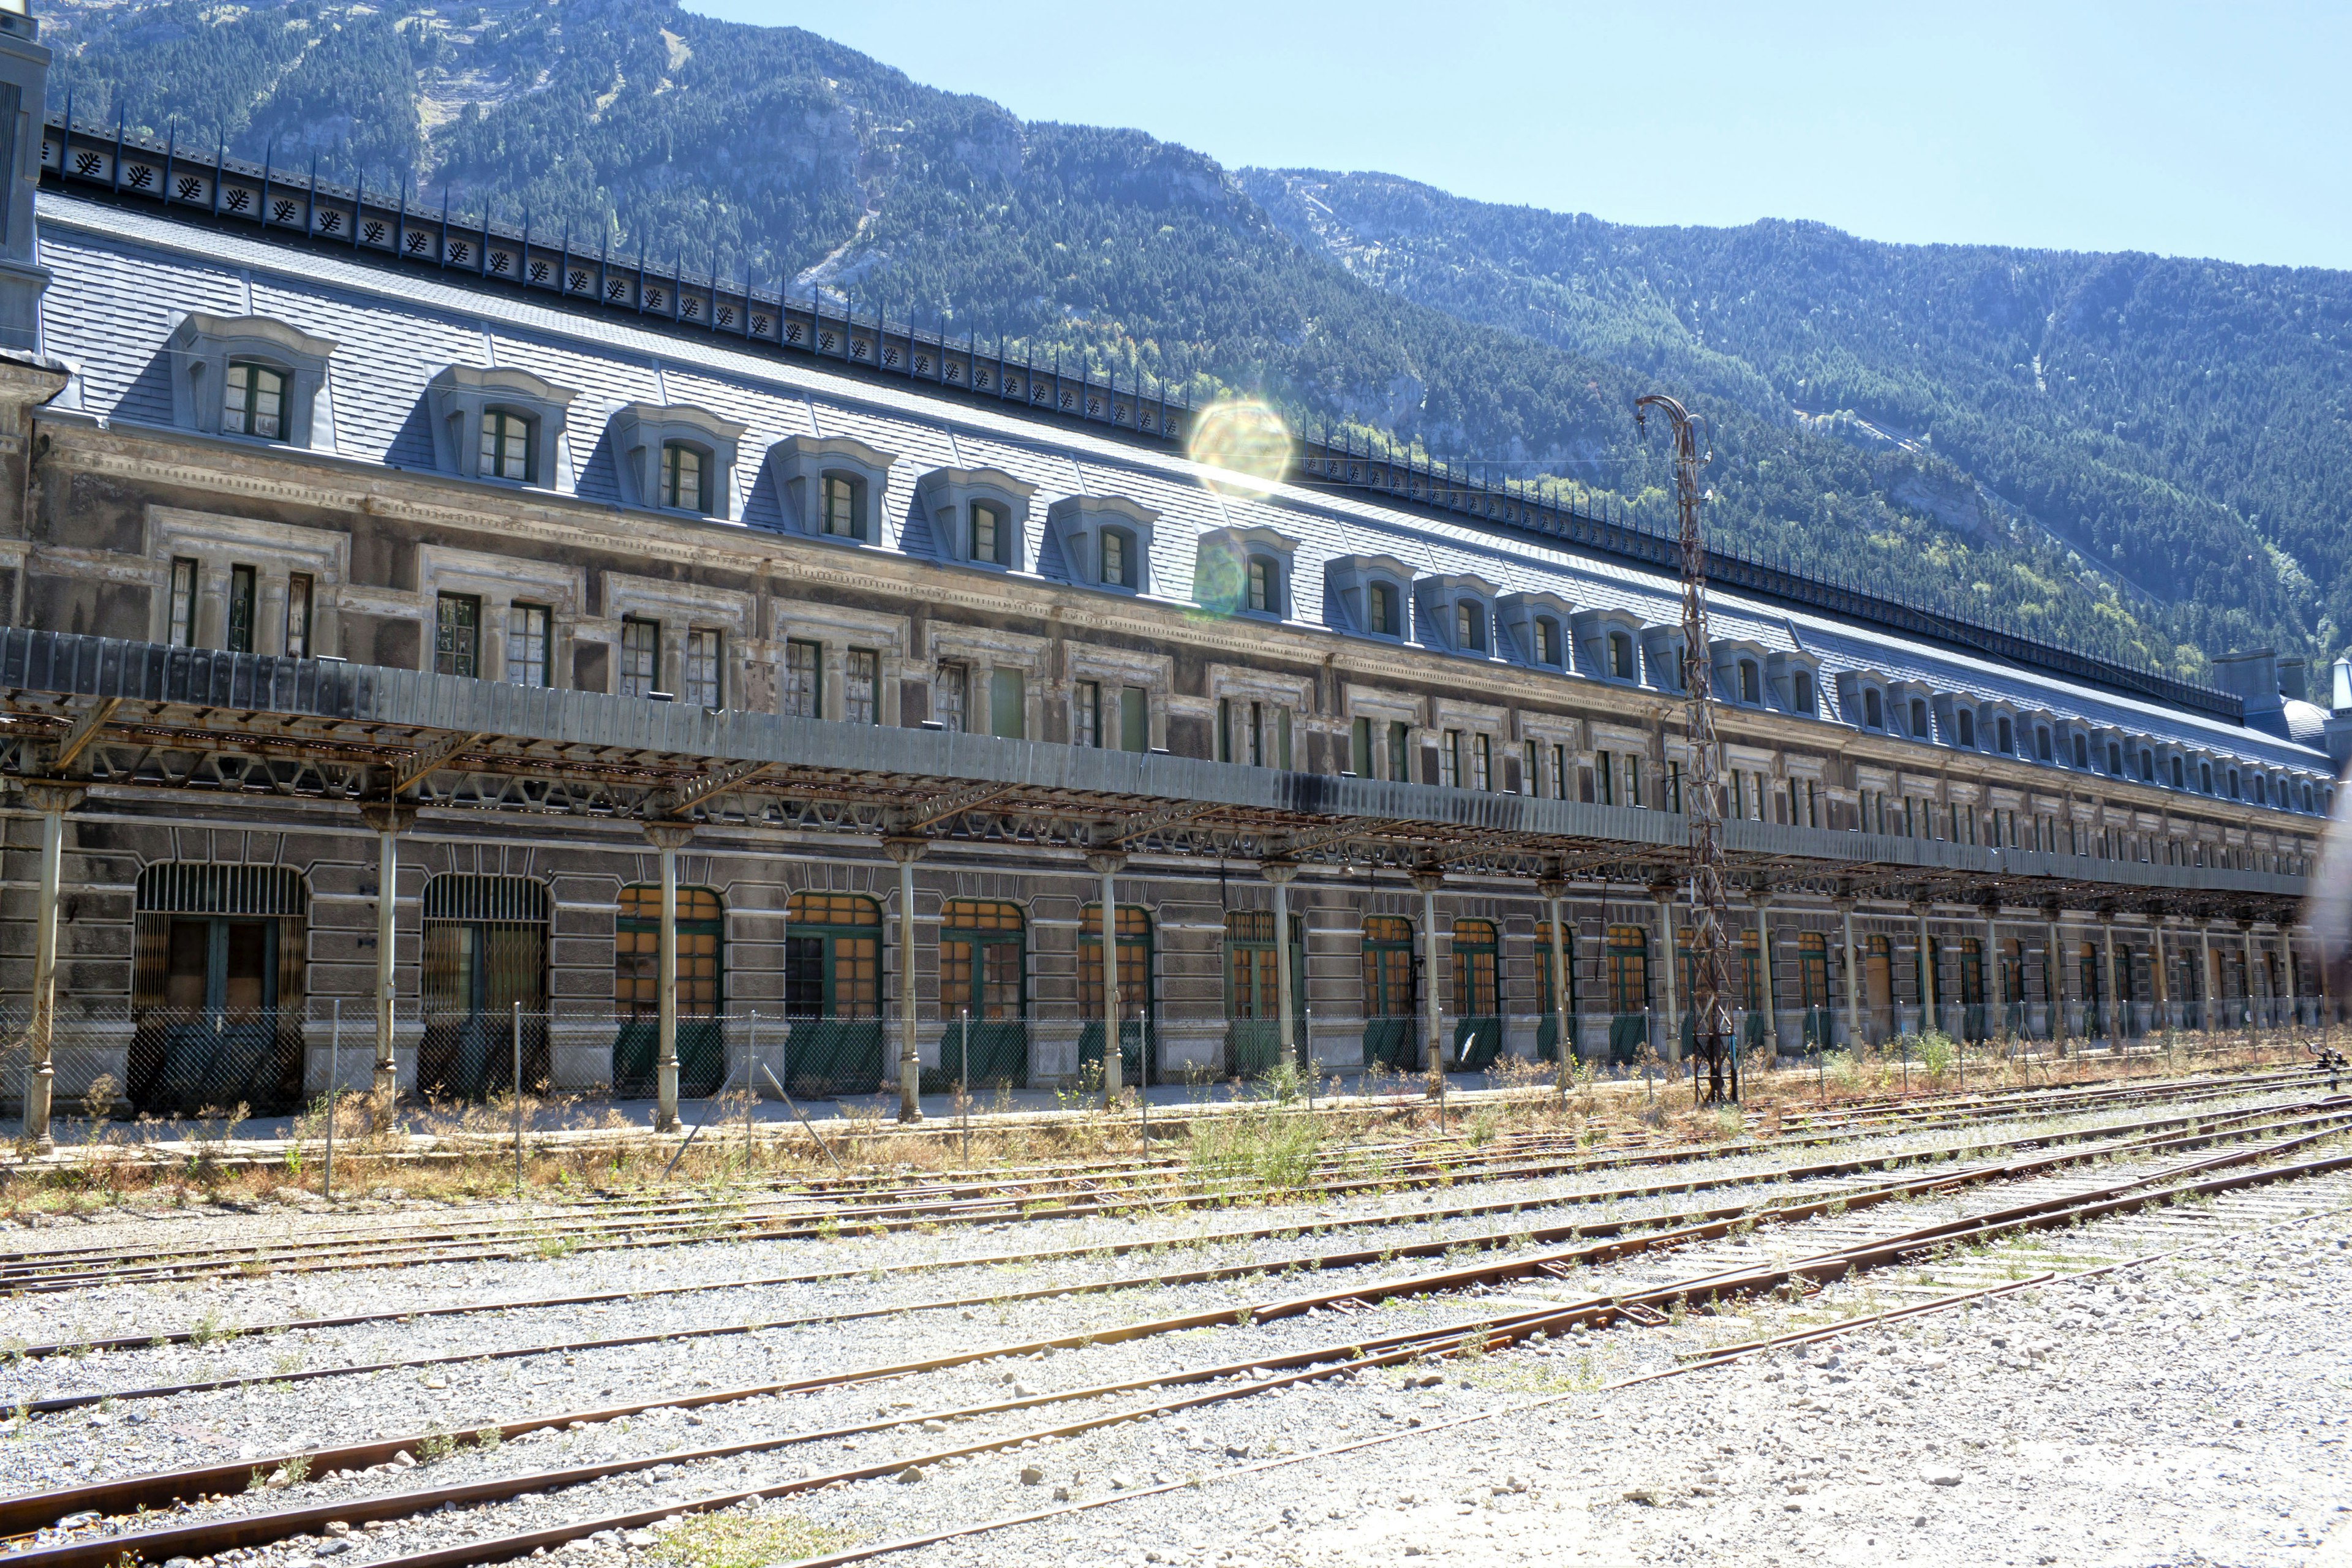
x=2219, y=130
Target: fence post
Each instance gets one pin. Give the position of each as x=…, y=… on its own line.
x=518, y=1097
x=965, y=1013
x=334, y=1088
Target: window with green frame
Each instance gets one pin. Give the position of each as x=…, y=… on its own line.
x=458, y=635
x=982, y=947
x=833, y=957
x=505, y=451
x=252, y=401
x=685, y=477
x=1629, y=969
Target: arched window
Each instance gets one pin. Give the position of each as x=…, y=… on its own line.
x=2261, y=785
x=252, y=401
x=2233, y=784
x=505, y=445
x=1118, y=558
x=1874, y=716
x=485, y=957
x=1621, y=655
x=2178, y=775
x=992, y=534
x=685, y=477
x=1134, y=1001
x=637, y=990
x=1381, y=609
x=1477, y=994
x=1388, y=992
x=2147, y=764
x=2205, y=777
x=1265, y=584
x=216, y=987
x=833, y=994
x=983, y=992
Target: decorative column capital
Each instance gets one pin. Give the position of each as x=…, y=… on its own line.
x=46, y=795
x=1278, y=873
x=906, y=851
x=1106, y=862
x=1552, y=888
x=1427, y=879
x=668, y=834
x=384, y=816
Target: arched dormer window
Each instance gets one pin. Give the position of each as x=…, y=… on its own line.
x=1621, y=663
x=1751, y=682
x=978, y=516
x=1118, y=566
x=2147, y=765
x=1265, y=594
x=252, y=401
x=2205, y=777
x=1381, y=616
x=841, y=504
x=2261, y=790
x=1919, y=730
x=2082, y=753
x=1965, y=725
x=1470, y=626
x=2115, y=758
x=685, y=477
x=1874, y=713
x=1800, y=689
x=991, y=539
x=2004, y=735
x=1547, y=640
x=2233, y=786
x=2041, y=743
x=507, y=446
x=2179, y=774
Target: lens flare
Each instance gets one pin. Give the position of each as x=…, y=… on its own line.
x=1243, y=441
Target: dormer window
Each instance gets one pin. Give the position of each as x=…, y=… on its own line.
x=1265, y=585
x=2233, y=784
x=1965, y=722
x=1751, y=682
x=1801, y=684
x=2147, y=765
x=1381, y=610
x=1547, y=640
x=992, y=539
x=2178, y=775
x=2114, y=759
x=845, y=511
x=2082, y=753
x=1115, y=547
x=252, y=401
x=2042, y=744
x=2205, y=777
x=1918, y=718
x=685, y=477
x=1470, y=626
x=1874, y=715
x=2004, y=736
x=2261, y=790
x=506, y=446
x=1621, y=655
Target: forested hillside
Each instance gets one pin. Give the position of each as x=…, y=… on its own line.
x=2135, y=456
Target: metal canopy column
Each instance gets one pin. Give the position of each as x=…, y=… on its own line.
x=668, y=837
x=389, y=822
x=2053, y=978
x=1764, y=961
x=1108, y=864
x=1554, y=893
x=2209, y=983
x=2116, y=992
x=2160, y=972
x=52, y=801
x=1663, y=895
x=906, y=852
x=1989, y=973
x=1298, y=1054
x=1854, y=1036
x=1927, y=976
x=1426, y=882
x=2246, y=940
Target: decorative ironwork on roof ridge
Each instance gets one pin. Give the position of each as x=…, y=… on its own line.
x=300, y=209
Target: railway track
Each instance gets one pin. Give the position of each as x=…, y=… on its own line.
x=1853, y=1246
x=1113, y=1188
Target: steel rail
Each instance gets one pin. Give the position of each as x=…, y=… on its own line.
x=18, y=1515
x=212, y=1536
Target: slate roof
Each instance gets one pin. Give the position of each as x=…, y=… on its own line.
x=121, y=278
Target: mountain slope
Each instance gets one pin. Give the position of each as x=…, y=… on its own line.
x=1519, y=338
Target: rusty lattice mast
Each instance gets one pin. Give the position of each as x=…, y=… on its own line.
x=1702, y=802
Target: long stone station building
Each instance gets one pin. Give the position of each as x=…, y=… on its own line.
x=417, y=632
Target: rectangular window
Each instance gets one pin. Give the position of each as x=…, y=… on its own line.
x=1482, y=762
x=841, y=519
x=1546, y=642
x=1282, y=738
x=506, y=446
x=1449, y=760
x=1400, y=751
x=953, y=696
x=298, y=616
x=1380, y=602
x=1674, y=788
x=1261, y=584
x=1134, y=720
x=1085, y=714
x=1257, y=734
x=1633, y=780
x=987, y=533
x=1007, y=704
x=803, y=680
x=1604, y=778
x=640, y=656
x=240, y=609
x=861, y=686
x=527, y=649
x=1114, y=559
x=1530, y=780
x=1560, y=771
x=705, y=686
x=684, y=483
x=458, y=635
x=182, y=633
x=1359, y=750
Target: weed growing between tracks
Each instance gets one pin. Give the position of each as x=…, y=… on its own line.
x=1274, y=1144
x=738, y=1538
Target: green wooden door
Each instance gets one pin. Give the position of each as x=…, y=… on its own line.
x=833, y=995
x=1477, y=995
x=983, y=994
x=1254, y=994
x=1388, y=993
x=1135, y=1009
x=637, y=990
